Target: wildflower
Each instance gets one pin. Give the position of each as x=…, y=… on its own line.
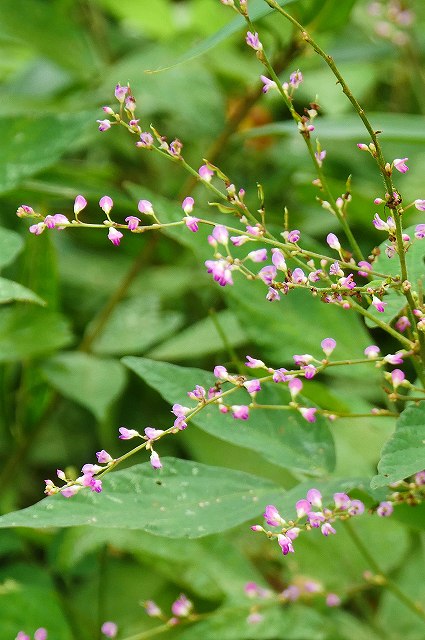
x=293, y=236
x=37, y=229
x=127, y=434
x=40, y=634
x=273, y=517
x=278, y=259
x=302, y=507
x=253, y=41
x=420, y=205
x=285, y=544
x=379, y=304
x=279, y=375
x=327, y=528
x=252, y=386
x=191, y=223
x=332, y=600
x=24, y=210
x=328, y=345
x=305, y=359
x=220, y=270
x=109, y=629
x=315, y=498
x=152, y=609
x=114, y=236
x=309, y=371
x=308, y=413
x=79, y=204
x=151, y=433
x=298, y=276
x=56, y=221
x=144, y=206
x=155, y=460
x=254, y=363
x=220, y=234
x=238, y=241
x=295, y=385
x=260, y=255
x=320, y=156
x=342, y=501
x=394, y=358
x=104, y=125
x=420, y=231
x=267, y=84
x=400, y=165
x=267, y=274
x=182, y=606
x=372, y=351
x=120, y=92
x=385, y=509
x=356, y=508
x=132, y=222
x=366, y=267
x=397, y=377
x=296, y=78
x=240, y=412
x=272, y=295
x=146, y=140
x=333, y=241
x=205, y=173
x=106, y=203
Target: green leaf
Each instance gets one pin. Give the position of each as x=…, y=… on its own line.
x=391, y=266
x=182, y=500
x=135, y=325
x=395, y=127
x=202, y=339
x=10, y=291
x=404, y=453
x=10, y=246
x=29, y=145
x=28, y=332
x=257, y=9
x=93, y=382
x=25, y=589
x=281, y=437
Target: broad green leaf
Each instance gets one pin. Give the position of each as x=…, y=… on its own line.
x=395, y=127
x=28, y=332
x=182, y=500
x=24, y=591
x=93, y=382
x=393, y=615
x=10, y=291
x=294, y=622
x=391, y=266
x=201, y=339
x=257, y=9
x=404, y=453
x=281, y=437
x=135, y=325
x=10, y=246
x=29, y=145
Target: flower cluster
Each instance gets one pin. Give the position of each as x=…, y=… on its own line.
x=181, y=609
x=39, y=634
x=310, y=515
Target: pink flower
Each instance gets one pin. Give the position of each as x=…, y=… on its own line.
x=295, y=385
x=273, y=517
x=366, y=267
x=372, y=351
x=296, y=78
x=109, y=629
x=332, y=600
x=103, y=457
x=272, y=295
x=397, y=377
x=394, y=358
x=420, y=205
x=205, y=173
x=127, y=434
x=260, y=255
x=293, y=236
x=328, y=345
x=146, y=140
x=342, y=501
x=132, y=222
x=320, y=156
x=153, y=434
x=385, y=509
x=182, y=606
x=267, y=274
x=152, y=609
x=187, y=205
x=298, y=276
x=38, y=228
x=238, y=241
x=333, y=241
x=120, y=92
x=252, y=386
x=24, y=210
x=191, y=223
x=253, y=41
x=220, y=234
x=144, y=206
x=285, y=544
x=327, y=528
x=420, y=231
x=114, y=236
x=240, y=412
x=254, y=363
x=104, y=125
x=155, y=460
x=79, y=204
x=57, y=220
x=302, y=507
x=315, y=497
x=279, y=375
x=278, y=259
x=220, y=270
x=400, y=165
x=40, y=634
x=267, y=84
x=379, y=304
x=356, y=508
x=106, y=203
x=308, y=413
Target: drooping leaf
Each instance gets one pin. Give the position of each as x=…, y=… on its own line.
x=92, y=382
x=182, y=500
x=29, y=145
x=282, y=437
x=28, y=332
x=10, y=246
x=404, y=453
x=10, y=291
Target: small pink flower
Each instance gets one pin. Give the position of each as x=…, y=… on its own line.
x=155, y=460
x=114, y=236
x=70, y=491
x=320, y=156
x=127, y=434
x=267, y=274
x=298, y=276
x=152, y=609
x=379, y=304
x=103, y=457
x=121, y=92
x=273, y=517
x=327, y=528
x=333, y=241
x=153, y=434
x=260, y=255
x=40, y=634
x=285, y=544
x=252, y=386
x=253, y=41
x=191, y=223
x=302, y=507
x=394, y=358
x=79, y=204
x=238, y=241
x=182, y=606
x=328, y=345
x=400, y=165
x=109, y=629
x=240, y=412
x=37, y=229
x=146, y=140
x=187, y=205
x=420, y=231
x=104, y=125
x=144, y=206
x=220, y=372
x=132, y=222
x=308, y=413
x=309, y=371
x=267, y=84
x=24, y=210
x=362, y=146
x=332, y=600
x=278, y=260
x=356, y=508
x=106, y=203
x=293, y=236
x=220, y=234
x=420, y=205
x=385, y=509
x=296, y=78
x=254, y=363
x=366, y=267
x=205, y=173
x=315, y=498
x=272, y=295
x=295, y=385
x=342, y=501
x=372, y=351
x=397, y=377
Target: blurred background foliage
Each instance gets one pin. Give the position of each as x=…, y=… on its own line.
x=64, y=390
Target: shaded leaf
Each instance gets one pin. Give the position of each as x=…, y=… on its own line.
x=10, y=246
x=93, y=382
x=10, y=291
x=182, y=500
x=281, y=437
x=404, y=453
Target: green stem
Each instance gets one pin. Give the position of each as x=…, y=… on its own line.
x=385, y=580
x=383, y=325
